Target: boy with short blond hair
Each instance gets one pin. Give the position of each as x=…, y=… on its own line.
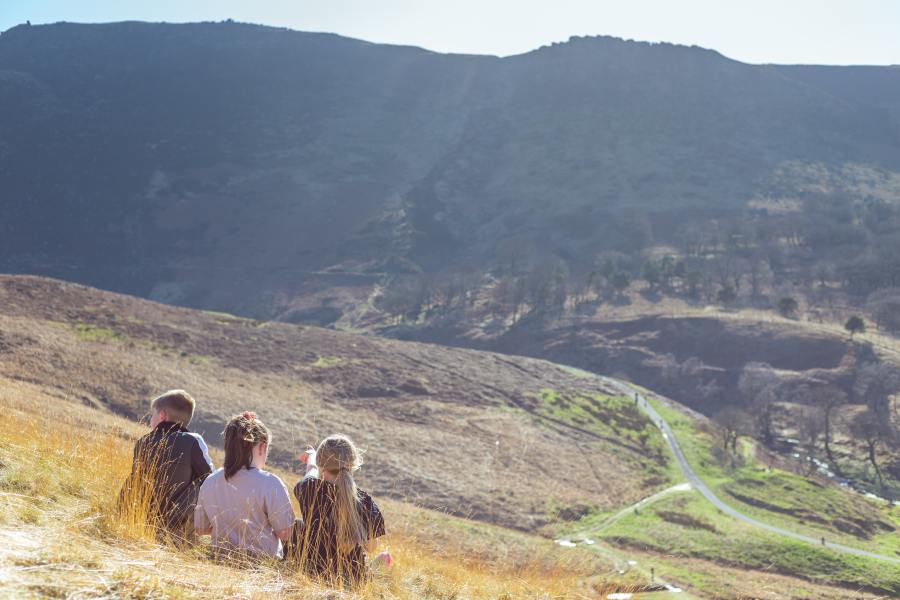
x=173, y=461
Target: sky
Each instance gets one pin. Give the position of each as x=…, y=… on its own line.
x=755, y=31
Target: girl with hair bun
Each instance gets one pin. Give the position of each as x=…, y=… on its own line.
x=340, y=521
x=245, y=509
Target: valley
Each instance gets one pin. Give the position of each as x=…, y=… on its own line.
x=587, y=430
x=609, y=318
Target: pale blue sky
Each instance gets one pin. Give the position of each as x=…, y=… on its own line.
x=781, y=31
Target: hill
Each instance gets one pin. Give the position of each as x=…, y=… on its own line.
x=512, y=441
x=63, y=537
x=699, y=356
x=271, y=172
x=457, y=430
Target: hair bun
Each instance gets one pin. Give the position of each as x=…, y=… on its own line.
x=249, y=415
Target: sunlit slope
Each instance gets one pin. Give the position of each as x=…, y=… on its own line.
x=61, y=467
x=463, y=431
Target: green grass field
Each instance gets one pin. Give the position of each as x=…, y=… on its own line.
x=614, y=419
x=782, y=498
x=685, y=525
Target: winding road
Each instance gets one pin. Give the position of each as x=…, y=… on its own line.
x=707, y=493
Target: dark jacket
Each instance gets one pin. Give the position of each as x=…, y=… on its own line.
x=176, y=462
x=313, y=542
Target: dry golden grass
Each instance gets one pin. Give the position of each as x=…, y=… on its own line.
x=61, y=468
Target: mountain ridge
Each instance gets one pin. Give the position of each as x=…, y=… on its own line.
x=227, y=165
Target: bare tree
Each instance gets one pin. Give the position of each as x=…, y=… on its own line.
x=760, y=385
x=734, y=422
x=509, y=297
x=811, y=428
x=406, y=297
x=759, y=275
x=875, y=384
x=829, y=400
x=875, y=433
x=885, y=307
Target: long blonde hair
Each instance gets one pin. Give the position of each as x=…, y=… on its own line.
x=338, y=455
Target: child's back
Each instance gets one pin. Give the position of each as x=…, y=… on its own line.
x=177, y=462
x=245, y=509
x=244, y=512
x=169, y=464
x=315, y=539
x=340, y=521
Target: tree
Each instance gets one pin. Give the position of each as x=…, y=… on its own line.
x=726, y=295
x=854, y=325
x=539, y=286
x=874, y=385
x=620, y=281
x=406, y=297
x=692, y=281
x=830, y=399
x=760, y=275
x=787, y=307
x=509, y=296
x=652, y=274
x=759, y=384
x=874, y=432
x=885, y=308
x=560, y=290
x=810, y=427
x=583, y=287
x=734, y=422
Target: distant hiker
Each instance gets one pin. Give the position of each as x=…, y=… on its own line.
x=245, y=509
x=169, y=465
x=339, y=521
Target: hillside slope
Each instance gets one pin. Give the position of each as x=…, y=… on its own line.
x=62, y=536
x=568, y=456
x=463, y=431
x=239, y=167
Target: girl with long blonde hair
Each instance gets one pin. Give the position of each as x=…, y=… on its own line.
x=340, y=521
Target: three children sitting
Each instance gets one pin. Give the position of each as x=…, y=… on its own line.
x=247, y=510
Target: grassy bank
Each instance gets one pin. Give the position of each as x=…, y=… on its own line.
x=685, y=525
x=780, y=497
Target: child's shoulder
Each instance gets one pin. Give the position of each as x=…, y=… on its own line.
x=364, y=496
x=196, y=435
x=268, y=476
x=309, y=485
x=215, y=476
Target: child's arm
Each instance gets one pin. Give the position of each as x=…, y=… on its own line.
x=374, y=522
x=201, y=463
x=280, y=511
x=309, y=459
x=202, y=525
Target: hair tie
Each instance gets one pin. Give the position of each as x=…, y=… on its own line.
x=249, y=415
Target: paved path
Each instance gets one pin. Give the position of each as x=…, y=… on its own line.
x=707, y=493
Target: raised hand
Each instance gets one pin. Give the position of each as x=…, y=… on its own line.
x=308, y=456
